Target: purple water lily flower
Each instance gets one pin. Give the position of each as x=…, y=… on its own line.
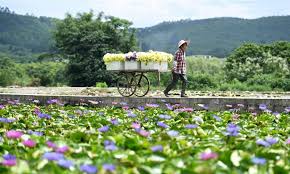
x=262, y=106
x=108, y=142
x=288, y=141
x=232, y=130
x=157, y=148
x=109, y=167
x=131, y=114
x=110, y=145
x=37, y=133
x=198, y=119
x=287, y=109
x=152, y=105
x=45, y=116
x=2, y=106
x=191, y=126
x=271, y=140
x=163, y=116
x=9, y=160
x=169, y=106
x=172, y=133
x=6, y=120
x=52, y=156
x=267, y=142
x=161, y=124
x=217, y=118
x=53, y=101
x=115, y=121
x=262, y=143
x=259, y=161
x=65, y=163
x=104, y=129
x=9, y=157
x=89, y=169
x=141, y=108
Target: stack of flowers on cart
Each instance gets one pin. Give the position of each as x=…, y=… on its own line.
x=108, y=58
x=154, y=60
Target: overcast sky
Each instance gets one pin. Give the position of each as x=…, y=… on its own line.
x=145, y=13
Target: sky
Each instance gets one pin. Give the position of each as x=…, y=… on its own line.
x=145, y=13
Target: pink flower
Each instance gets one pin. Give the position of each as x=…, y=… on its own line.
x=29, y=143
x=144, y=133
x=62, y=149
x=136, y=125
x=50, y=144
x=14, y=134
x=9, y=163
x=125, y=107
x=288, y=141
x=208, y=155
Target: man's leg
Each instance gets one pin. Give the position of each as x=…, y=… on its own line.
x=184, y=84
x=172, y=84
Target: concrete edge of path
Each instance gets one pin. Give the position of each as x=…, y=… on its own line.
x=213, y=103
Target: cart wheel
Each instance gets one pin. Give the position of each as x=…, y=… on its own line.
x=142, y=85
x=126, y=84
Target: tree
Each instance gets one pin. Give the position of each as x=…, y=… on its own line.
x=252, y=59
x=84, y=40
x=244, y=62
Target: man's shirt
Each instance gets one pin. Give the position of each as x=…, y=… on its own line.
x=179, y=64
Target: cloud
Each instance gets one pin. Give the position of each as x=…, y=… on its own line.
x=149, y=12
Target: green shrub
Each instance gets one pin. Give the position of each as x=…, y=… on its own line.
x=6, y=78
x=281, y=84
x=101, y=85
x=201, y=82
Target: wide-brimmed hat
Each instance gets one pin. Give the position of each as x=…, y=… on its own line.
x=180, y=43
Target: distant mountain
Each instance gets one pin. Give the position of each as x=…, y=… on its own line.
x=26, y=35
x=216, y=36
x=22, y=35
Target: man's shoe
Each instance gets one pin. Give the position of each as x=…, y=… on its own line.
x=166, y=94
x=183, y=95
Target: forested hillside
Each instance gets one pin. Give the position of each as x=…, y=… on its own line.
x=24, y=35
x=217, y=36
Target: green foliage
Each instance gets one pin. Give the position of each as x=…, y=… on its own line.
x=84, y=39
x=101, y=85
x=46, y=74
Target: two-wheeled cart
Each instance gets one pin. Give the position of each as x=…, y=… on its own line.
x=133, y=82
